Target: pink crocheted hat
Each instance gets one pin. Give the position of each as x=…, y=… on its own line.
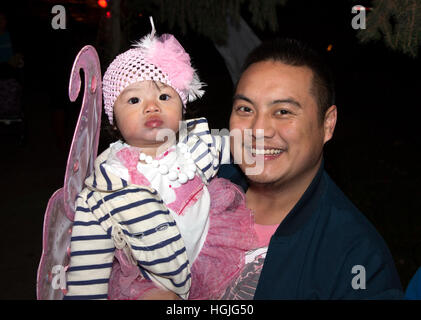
x=152, y=58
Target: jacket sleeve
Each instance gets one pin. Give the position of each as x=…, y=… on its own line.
x=91, y=256
x=368, y=272
x=413, y=291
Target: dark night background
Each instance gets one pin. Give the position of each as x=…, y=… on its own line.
x=374, y=156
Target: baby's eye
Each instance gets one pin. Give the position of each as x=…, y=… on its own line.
x=133, y=100
x=164, y=97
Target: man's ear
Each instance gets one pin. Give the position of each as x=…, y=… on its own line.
x=329, y=123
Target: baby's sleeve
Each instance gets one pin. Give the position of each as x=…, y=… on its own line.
x=91, y=256
x=222, y=145
x=208, y=150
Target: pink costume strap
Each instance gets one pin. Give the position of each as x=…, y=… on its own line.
x=129, y=157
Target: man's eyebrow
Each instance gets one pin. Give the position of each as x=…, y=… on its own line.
x=242, y=97
x=288, y=100
x=277, y=101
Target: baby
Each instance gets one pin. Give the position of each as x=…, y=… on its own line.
x=148, y=200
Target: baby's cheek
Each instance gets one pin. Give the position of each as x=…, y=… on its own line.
x=173, y=123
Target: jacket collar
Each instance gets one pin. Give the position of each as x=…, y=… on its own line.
x=305, y=207
x=102, y=179
x=302, y=210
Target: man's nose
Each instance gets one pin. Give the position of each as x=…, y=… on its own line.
x=262, y=123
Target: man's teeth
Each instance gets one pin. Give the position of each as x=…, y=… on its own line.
x=265, y=151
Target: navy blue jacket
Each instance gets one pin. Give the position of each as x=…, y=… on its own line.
x=413, y=291
x=325, y=248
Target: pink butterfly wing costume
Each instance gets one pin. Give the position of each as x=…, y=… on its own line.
x=59, y=215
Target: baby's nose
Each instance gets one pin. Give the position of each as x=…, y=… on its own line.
x=151, y=107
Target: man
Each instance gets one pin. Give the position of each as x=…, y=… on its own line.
x=322, y=247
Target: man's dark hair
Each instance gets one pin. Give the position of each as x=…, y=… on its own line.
x=295, y=53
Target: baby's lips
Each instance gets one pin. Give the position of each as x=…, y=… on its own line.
x=154, y=122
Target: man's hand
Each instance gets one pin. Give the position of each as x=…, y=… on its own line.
x=159, y=294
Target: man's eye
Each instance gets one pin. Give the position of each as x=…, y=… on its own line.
x=282, y=112
x=244, y=109
x=133, y=100
x=164, y=97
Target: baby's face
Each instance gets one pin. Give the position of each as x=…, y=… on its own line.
x=143, y=109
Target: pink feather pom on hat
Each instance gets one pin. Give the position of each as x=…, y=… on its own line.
x=152, y=58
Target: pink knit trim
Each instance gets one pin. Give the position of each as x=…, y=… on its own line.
x=130, y=157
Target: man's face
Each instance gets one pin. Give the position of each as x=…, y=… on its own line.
x=276, y=98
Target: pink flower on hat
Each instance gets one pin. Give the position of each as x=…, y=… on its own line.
x=169, y=56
